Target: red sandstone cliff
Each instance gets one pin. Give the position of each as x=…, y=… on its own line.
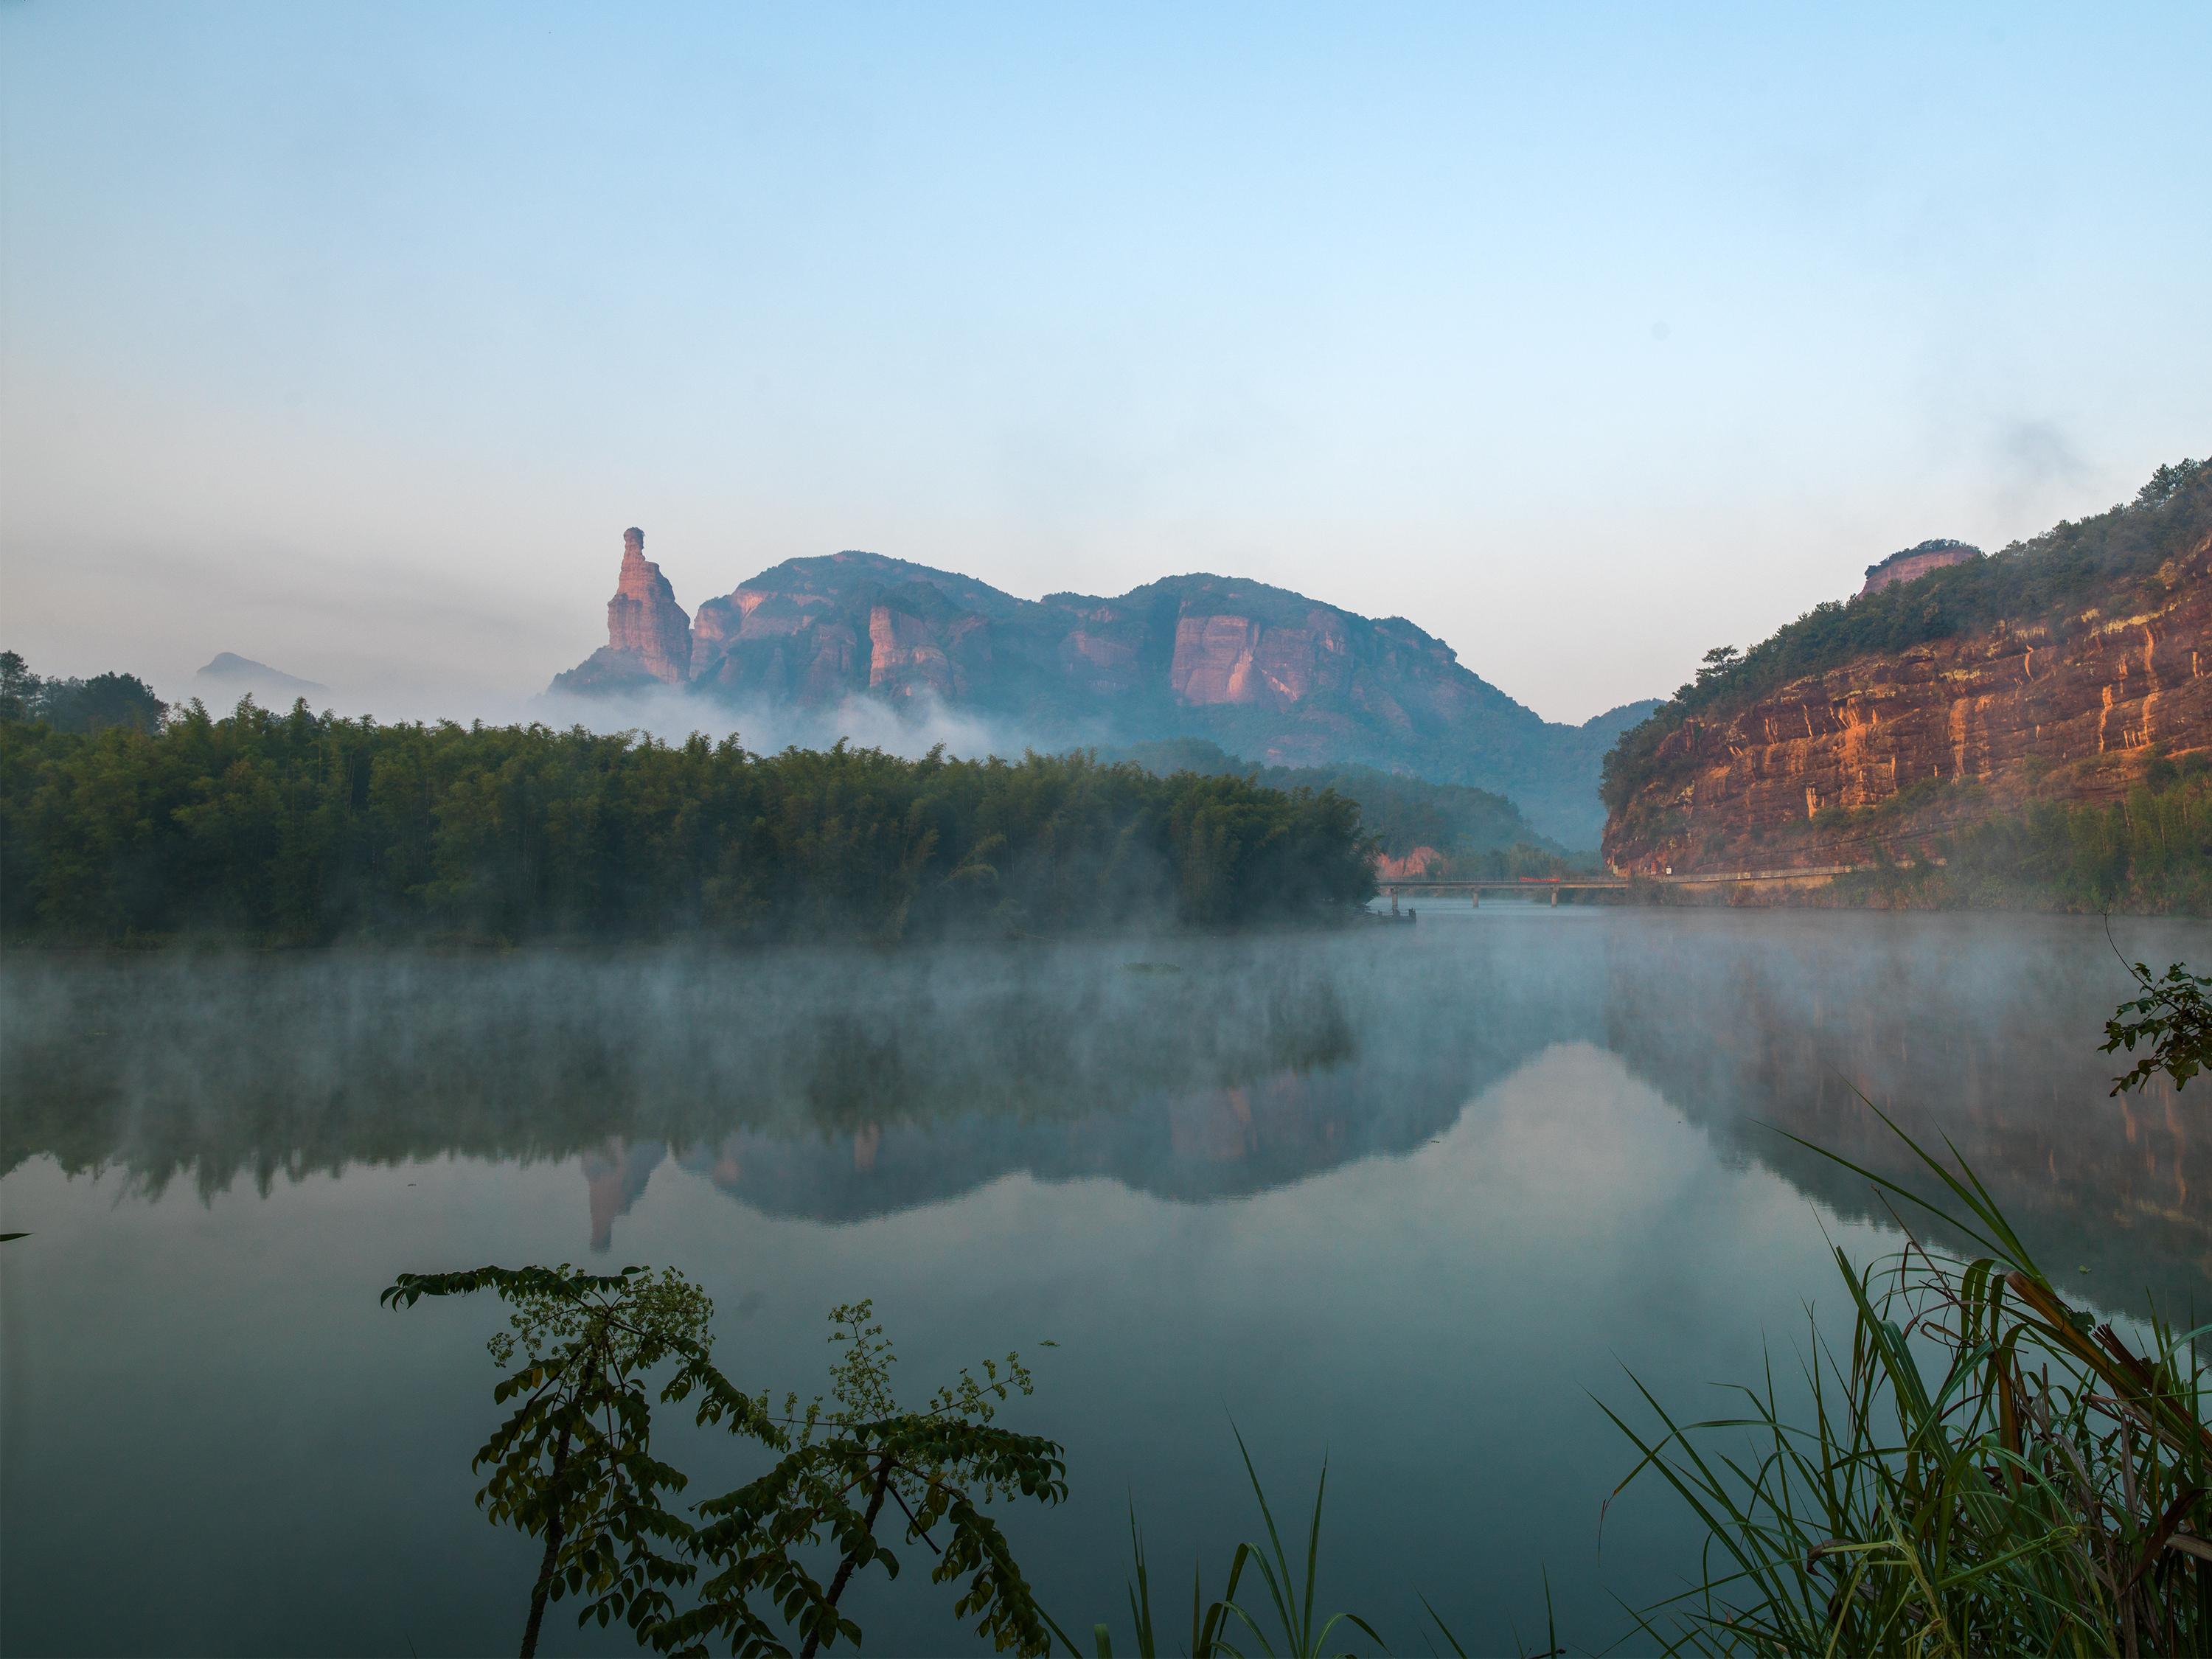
x=648, y=635
x=1420, y=861
x=643, y=618
x=2063, y=702
x=1915, y=563
x=1241, y=660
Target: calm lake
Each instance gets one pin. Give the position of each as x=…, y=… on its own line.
x=1410, y=1199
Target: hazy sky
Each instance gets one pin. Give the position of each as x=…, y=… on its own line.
x=350, y=338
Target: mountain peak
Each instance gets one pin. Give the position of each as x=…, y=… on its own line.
x=232, y=672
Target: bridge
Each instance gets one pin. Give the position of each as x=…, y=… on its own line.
x=1474, y=889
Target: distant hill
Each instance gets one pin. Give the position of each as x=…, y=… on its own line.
x=233, y=676
x=1440, y=827
x=1259, y=671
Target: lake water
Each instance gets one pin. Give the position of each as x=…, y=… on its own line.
x=1404, y=1198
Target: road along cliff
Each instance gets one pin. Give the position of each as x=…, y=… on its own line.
x=2064, y=669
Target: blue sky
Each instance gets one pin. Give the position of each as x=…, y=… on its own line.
x=350, y=338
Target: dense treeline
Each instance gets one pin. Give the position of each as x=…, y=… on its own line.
x=92, y=705
x=2149, y=853
x=2100, y=561
x=1479, y=832
x=303, y=829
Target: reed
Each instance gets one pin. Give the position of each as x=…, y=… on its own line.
x=1220, y=1628
x=1982, y=1469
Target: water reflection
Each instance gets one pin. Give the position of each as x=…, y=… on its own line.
x=840, y=1085
x=1194, y=1144
x=1985, y=1035
x=1406, y=1196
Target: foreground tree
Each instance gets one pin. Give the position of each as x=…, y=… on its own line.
x=573, y=1464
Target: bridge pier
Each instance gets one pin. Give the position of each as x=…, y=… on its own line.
x=1555, y=898
x=1474, y=898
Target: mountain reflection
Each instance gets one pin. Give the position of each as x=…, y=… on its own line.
x=838, y=1086
x=1191, y=1144
x=1994, y=1048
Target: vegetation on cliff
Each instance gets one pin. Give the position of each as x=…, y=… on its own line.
x=1941, y=846
x=2149, y=853
x=301, y=829
x=2112, y=559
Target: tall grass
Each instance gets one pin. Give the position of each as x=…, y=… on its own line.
x=1984, y=1469
x=1219, y=1628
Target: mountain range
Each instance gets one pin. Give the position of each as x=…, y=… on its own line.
x=1267, y=674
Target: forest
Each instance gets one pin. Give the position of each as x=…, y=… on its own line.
x=306, y=829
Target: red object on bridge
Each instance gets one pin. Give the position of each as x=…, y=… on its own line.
x=1537, y=878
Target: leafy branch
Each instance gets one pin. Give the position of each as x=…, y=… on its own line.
x=2173, y=1017
x=572, y=1463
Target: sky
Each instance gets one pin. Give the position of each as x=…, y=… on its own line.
x=350, y=338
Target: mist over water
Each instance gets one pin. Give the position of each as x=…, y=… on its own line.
x=1397, y=1195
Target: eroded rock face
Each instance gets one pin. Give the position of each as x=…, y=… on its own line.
x=1917, y=561
x=2064, y=709
x=643, y=619
x=1242, y=661
x=912, y=655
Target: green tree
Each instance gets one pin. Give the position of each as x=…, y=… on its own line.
x=18, y=687
x=299, y=828
x=573, y=1464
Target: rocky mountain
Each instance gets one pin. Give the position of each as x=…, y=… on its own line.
x=1265, y=673
x=2066, y=669
x=644, y=622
